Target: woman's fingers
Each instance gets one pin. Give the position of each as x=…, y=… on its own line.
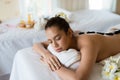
x=52, y=61
x=42, y=60
x=58, y=62
x=52, y=66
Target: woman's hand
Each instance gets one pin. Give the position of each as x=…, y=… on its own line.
x=48, y=58
x=52, y=61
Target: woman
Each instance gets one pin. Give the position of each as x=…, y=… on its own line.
x=92, y=47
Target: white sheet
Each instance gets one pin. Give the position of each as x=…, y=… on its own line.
x=27, y=66
x=13, y=39
x=94, y=20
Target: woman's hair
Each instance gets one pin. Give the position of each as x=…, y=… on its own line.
x=58, y=22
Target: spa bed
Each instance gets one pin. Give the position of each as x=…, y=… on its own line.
x=14, y=39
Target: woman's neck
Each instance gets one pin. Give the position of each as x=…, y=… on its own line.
x=74, y=42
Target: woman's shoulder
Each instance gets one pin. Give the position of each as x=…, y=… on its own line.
x=91, y=39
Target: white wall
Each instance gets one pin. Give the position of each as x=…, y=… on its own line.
x=73, y=5
x=45, y=7
x=109, y=5
x=8, y=9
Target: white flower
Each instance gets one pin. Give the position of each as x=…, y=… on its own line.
x=108, y=76
x=107, y=66
x=117, y=76
x=118, y=61
x=105, y=75
x=111, y=69
x=110, y=66
x=63, y=15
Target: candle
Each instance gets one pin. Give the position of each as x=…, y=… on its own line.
x=29, y=18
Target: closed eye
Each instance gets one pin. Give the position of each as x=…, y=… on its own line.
x=49, y=41
x=58, y=38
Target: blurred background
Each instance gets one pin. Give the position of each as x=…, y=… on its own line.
x=20, y=8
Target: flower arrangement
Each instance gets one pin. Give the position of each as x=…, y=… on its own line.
x=111, y=69
x=63, y=15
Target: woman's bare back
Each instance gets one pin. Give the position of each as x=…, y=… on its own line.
x=107, y=45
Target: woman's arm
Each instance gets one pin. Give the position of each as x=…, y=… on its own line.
x=66, y=74
x=41, y=48
x=81, y=73
x=47, y=57
x=88, y=58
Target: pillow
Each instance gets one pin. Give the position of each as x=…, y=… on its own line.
x=67, y=57
x=62, y=13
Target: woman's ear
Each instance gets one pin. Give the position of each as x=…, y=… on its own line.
x=70, y=32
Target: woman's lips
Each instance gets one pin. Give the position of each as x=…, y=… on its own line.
x=58, y=50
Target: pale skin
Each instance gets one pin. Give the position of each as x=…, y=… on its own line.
x=92, y=47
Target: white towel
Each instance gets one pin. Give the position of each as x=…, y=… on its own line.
x=68, y=57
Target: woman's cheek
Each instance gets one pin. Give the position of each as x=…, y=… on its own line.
x=63, y=43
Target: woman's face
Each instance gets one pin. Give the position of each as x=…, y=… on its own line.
x=58, y=38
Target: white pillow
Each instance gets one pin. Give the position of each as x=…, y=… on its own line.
x=67, y=57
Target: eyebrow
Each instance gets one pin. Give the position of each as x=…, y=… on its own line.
x=55, y=36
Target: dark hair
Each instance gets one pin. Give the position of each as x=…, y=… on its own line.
x=59, y=22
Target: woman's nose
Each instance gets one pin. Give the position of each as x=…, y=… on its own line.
x=55, y=44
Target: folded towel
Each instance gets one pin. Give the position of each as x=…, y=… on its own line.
x=68, y=57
